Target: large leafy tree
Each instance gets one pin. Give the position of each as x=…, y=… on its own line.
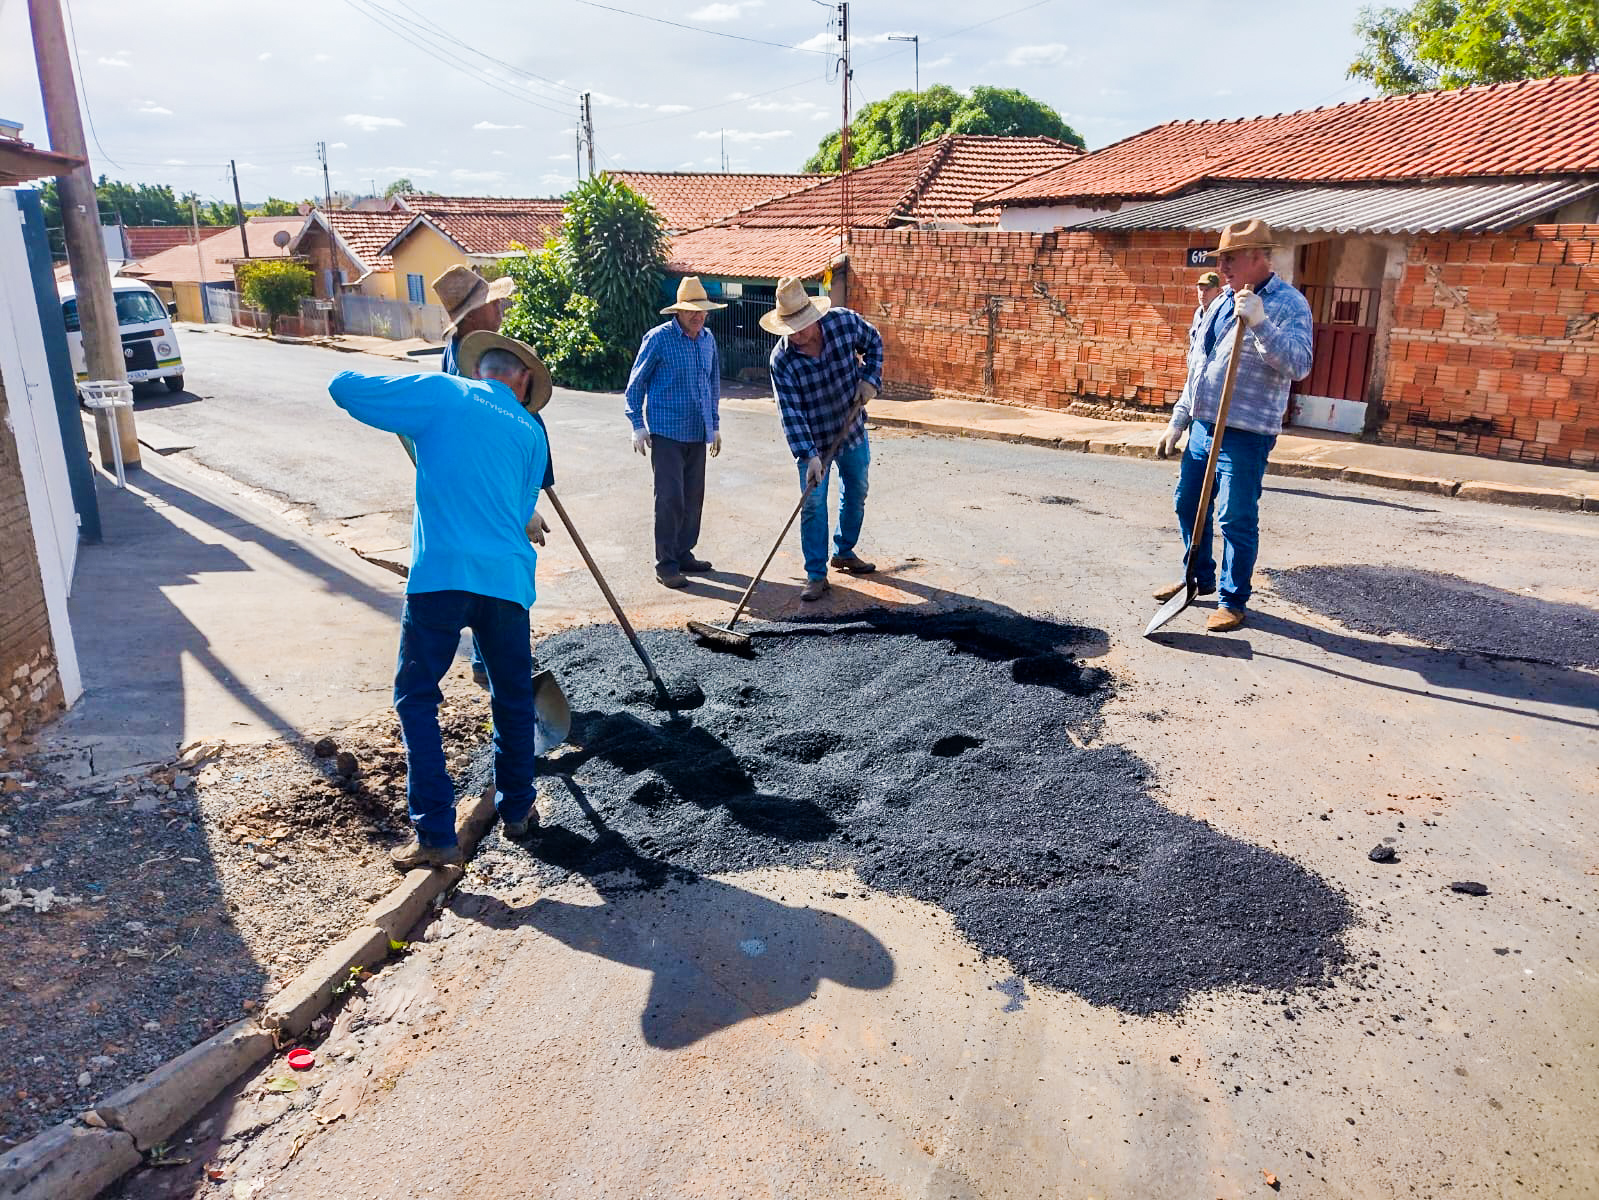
x=890, y=125
x=137, y=204
x=399, y=186
x=587, y=298
x=1457, y=43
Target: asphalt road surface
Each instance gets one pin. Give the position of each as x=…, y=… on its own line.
x=843, y=1042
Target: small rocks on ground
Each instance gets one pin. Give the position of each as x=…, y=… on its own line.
x=1382, y=854
x=1469, y=887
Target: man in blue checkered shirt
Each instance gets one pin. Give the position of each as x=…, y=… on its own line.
x=824, y=371
x=674, y=404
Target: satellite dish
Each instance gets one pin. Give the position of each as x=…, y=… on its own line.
x=281, y=238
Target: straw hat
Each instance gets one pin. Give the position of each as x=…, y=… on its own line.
x=1209, y=279
x=478, y=343
x=461, y=289
x=796, y=309
x=691, y=297
x=1253, y=234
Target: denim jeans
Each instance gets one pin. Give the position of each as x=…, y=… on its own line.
x=1235, y=504
x=679, y=472
x=851, y=464
x=430, y=633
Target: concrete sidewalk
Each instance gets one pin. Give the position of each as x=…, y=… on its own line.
x=404, y=349
x=1324, y=456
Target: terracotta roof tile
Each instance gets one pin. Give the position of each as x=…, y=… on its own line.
x=688, y=199
x=737, y=252
x=147, y=240
x=1533, y=127
x=366, y=233
x=180, y=264
x=486, y=224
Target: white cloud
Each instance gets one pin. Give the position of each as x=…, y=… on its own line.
x=119, y=60
x=942, y=61
x=302, y=169
x=788, y=106
x=466, y=176
x=724, y=11
x=488, y=125
x=499, y=154
x=368, y=124
x=565, y=156
x=1050, y=54
x=263, y=56
x=322, y=58
x=559, y=182
x=176, y=162
x=686, y=166
x=820, y=41
x=671, y=108
x=396, y=172
x=339, y=146
x=152, y=109
x=742, y=135
x=608, y=101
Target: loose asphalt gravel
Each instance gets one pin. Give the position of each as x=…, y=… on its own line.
x=946, y=758
x=1446, y=611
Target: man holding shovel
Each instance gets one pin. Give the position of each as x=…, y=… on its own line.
x=480, y=462
x=824, y=371
x=1275, y=350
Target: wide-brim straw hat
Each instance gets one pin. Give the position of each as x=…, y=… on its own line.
x=478, y=343
x=796, y=309
x=691, y=297
x=1253, y=234
x=461, y=290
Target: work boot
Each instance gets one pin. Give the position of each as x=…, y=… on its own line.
x=1225, y=620
x=688, y=563
x=852, y=564
x=1171, y=589
x=523, y=830
x=414, y=854
x=815, y=589
x=671, y=579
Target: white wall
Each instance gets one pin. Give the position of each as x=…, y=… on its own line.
x=1043, y=219
x=31, y=399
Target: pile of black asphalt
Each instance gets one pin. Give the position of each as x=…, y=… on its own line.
x=945, y=757
x=1446, y=611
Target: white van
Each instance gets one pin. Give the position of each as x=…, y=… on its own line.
x=149, y=346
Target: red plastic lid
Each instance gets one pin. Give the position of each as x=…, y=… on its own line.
x=301, y=1060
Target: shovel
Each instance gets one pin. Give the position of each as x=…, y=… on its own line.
x=723, y=637
x=1190, y=587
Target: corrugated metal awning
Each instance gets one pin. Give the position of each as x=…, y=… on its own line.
x=1432, y=208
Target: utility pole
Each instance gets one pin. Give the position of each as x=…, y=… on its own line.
x=915, y=40
x=843, y=129
x=199, y=256
x=588, y=129
x=327, y=187
x=577, y=140
x=80, y=219
x=238, y=208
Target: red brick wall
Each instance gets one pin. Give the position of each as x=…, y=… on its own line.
x=30, y=689
x=1494, y=348
x=1091, y=323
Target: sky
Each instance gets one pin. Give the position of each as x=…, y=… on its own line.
x=479, y=97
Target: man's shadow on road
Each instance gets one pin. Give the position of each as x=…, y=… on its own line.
x=717, y=954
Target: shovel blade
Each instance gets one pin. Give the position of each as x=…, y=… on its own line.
x=552, y=715
x=1171, y=608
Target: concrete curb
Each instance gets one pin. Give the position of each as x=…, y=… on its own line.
x=1478, y=490
x=77, y=1160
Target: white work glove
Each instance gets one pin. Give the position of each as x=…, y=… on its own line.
x=813, y=472
x=865, y=392
x=1167, y=446
x=641, y=442
x=536, y=529
x=716, y=444
x=1250, y=308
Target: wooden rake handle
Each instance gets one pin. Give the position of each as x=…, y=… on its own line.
x=1219, y=428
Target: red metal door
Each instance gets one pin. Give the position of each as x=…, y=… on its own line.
x=1344, y=321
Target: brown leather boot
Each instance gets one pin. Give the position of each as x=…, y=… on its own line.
x=1225, y=620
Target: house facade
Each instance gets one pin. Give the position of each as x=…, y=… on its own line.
x=473, y=231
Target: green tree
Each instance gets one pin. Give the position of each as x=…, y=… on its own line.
x=1457, y=43
x=276, y=208
x=587, y=298
x=134, y=204
x=274, y=285
x=889, y=126
x=399, y=185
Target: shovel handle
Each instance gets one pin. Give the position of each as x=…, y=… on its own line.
x=1216, y=432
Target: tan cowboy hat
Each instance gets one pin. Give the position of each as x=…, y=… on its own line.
x=691, y=297
x=1209, y=279
x=796, y=309
x=1253, y=234
x=461, y=289
x=478, y=343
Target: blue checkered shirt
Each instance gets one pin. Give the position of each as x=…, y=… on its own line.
x=675, y=389
x=815, y=394
x=1276, y=354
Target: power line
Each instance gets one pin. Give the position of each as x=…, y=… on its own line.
x=83, y=89
x=446, y=34
x=719, y=104
x=737, y=37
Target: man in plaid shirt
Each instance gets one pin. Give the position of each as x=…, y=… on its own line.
x=824, y=371
x=674, y=404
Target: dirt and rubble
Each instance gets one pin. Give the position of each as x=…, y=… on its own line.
x=951, y=758
x=142, y=913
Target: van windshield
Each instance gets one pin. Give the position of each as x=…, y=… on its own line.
x=133, y=308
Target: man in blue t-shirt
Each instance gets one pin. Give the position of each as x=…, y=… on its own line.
x=481, y=457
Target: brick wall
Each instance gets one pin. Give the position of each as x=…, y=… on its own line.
x=1494, y=347
x=1094, y=324
x=30, y=689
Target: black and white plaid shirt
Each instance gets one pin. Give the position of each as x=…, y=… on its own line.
x=814, y=395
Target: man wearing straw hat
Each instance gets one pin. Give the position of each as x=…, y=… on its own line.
x=1276, y=352
x=824, y=371
x=480, y=462
x=674, y=397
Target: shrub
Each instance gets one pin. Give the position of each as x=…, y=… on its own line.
x=274, y=285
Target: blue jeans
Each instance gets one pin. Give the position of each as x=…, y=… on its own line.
x=430, y=632
x=852, y=464
x=1235, y=503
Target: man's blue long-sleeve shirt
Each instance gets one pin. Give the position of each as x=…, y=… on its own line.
x=675, y=389
x=814, y=395
x=1276, y=353
x=480, y=461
